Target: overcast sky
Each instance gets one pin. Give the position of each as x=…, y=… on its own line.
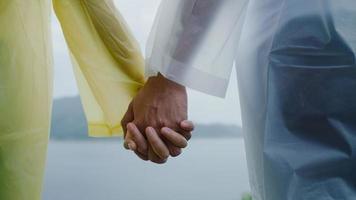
x=139, y=15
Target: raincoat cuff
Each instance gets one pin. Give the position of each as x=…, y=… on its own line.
x=191, y=77
x=104, y=130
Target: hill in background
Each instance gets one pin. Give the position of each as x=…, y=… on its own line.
x=68, y=123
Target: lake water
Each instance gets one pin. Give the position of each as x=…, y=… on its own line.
x=209, y=169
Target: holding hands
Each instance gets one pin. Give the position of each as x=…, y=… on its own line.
x=155, y=124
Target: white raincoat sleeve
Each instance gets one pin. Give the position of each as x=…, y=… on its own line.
x=194, y=42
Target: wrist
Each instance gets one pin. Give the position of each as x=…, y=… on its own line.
x=162, y=81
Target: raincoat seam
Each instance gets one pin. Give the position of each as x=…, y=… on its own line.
x=94, y=84
x=124, y=45
x=232, y=31
x=268, y=86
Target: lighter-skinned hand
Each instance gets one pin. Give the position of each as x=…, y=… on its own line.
x=152, y=147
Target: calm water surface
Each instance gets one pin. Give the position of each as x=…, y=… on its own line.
x=210, y=169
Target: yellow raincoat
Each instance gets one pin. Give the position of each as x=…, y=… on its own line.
x=108, y=66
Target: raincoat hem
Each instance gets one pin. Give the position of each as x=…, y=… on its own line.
x=104, y=130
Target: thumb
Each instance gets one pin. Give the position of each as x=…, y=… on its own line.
x=129, y=143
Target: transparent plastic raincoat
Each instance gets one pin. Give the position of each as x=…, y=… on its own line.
x=296, y=71
x=108, y=66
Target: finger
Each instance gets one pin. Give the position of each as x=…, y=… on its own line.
x=186, y=135
x=173, y=150
x=137, y=137
x=129, y=144
x=126, y=145
x=156, y=143
x=152, y=156
x=143, y=157
x=186, y=128
x=128, y=117
x=175, y=138
x=187, y=125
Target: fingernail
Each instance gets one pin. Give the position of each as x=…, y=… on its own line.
x=126, y=146
x=131, y=146
x=185, y=123
x=149, y=129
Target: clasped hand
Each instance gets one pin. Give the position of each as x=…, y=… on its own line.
x=155, y=124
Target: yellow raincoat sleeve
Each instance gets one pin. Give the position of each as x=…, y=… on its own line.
x=106, y=58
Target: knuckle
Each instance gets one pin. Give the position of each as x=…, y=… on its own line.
x=137, y=121
x=161, y=122
x=139, y=124
x=155, y=123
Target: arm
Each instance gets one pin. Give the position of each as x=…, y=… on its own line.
x=194, y=42
x=107, y=61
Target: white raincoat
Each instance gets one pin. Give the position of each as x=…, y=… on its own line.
x=296, y=71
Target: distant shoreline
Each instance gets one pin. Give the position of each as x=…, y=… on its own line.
x=68, y=123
